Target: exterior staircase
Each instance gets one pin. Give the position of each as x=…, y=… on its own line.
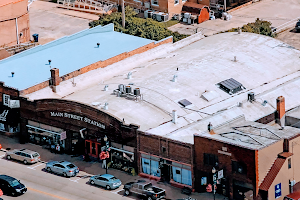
x=89, y=6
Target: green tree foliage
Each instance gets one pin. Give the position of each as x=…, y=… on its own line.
x=259, y=27
x=145, y=28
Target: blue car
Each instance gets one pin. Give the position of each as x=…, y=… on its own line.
x=64, y=168
x=105, y=180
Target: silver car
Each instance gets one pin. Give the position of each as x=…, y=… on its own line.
x=24, y=155
x=64, y=168
x=105, y=180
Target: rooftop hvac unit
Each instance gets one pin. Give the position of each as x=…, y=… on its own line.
x=158, y=16
x=137, y=11
x=164, y=17
x=189, y=21
x=154, y=16
x=184, y=20
x=187, y=15
x=147, y=4
x=148, y=14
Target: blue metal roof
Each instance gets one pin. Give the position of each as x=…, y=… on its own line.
x=68, y=54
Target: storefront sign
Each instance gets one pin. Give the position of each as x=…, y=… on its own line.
x=278, y=190
x=225, y=153
x=203, y=180
x=63, y=135
x=77, y=117
x=3, y=115
x=220, y=174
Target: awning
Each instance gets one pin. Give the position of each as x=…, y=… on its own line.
x=41, y=129
x=121, y=150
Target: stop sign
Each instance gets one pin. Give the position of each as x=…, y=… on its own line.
x=209, y=188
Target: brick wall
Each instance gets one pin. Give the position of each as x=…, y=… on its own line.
x=100, y=64
x=14, y=93
x=175, y=150
x=39, y=111
x=267, y=119
x=234, y=153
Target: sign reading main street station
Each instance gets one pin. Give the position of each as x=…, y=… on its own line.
x=77, y=117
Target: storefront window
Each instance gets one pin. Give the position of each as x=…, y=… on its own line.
x=151, y=166
x=181, y=175
x=42, y=136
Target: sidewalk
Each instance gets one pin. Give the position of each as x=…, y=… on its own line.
x=94, y=167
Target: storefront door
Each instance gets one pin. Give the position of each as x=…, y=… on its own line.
x=165, y=172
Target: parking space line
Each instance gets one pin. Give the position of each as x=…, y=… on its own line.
x=35, y=166
x=116, y=192
x=75, y=180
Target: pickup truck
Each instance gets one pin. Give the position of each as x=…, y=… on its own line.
x=146, y=189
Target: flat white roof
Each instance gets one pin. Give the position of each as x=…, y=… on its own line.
x=264, y=65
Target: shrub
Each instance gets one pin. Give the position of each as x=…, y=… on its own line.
x=145, y=28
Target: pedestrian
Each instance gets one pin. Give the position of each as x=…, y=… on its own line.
x=58, y=148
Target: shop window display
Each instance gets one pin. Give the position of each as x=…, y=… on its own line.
x=150, y=167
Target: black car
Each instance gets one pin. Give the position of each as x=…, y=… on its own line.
x=297, y=27
x=11, y=186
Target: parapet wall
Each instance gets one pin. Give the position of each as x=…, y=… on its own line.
x=100, y=64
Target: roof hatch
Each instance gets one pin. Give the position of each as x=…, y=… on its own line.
x=231, y=86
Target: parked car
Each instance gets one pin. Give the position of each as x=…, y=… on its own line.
x=297, y=27
x=105, y=180
x=24, y=155
x=293, y=196
x=64, y=168
x=11, y=186
x=145, y=189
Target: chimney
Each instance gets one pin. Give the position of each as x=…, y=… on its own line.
x=174, y=115
x=286, y=145
x=280, y=111
x=55, y=79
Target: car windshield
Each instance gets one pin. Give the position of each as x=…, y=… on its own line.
x=113, y=178
x=35, y=155
x=14, y=183
x=70, y=166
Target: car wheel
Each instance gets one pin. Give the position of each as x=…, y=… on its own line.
x=8, y=157
x=49, y=169
x=149, y=198
x=107, y=187
x=126, y=192
x=25, y=162
x=65, y=174
x=13, y=194
x=92, y=183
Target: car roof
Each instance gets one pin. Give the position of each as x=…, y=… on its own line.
x=26, y=151
x=108, y=176
x=7, y=178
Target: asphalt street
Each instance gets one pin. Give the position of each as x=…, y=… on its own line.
x=47, y=186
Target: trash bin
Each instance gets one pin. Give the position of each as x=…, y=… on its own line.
x=35, y=37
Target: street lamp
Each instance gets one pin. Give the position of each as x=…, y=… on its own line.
x=106, y=149
x=214, y=180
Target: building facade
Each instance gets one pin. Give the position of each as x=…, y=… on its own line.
x=14, y=22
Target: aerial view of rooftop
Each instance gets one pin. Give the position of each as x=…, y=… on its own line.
x=149, y=99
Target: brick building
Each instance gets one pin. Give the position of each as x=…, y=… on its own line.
x=14, y=22
x=156, y=100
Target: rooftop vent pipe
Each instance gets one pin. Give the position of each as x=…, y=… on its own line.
x=98, y=44
x=105, y=87
x=209, y=127
x=12, y=74
x=174, y=116
x=251, y=96
x=106, y=106
x=234, y=59
x=175, y=78
x=239, y=30
x=129, y=75
x=49, y=62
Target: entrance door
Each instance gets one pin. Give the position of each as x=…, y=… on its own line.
x=87, y=147
x=165, y=173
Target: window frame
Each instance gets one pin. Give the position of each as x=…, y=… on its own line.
x=154, y=2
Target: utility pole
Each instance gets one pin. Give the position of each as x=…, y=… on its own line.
x=224, y=5
x=123, y=13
